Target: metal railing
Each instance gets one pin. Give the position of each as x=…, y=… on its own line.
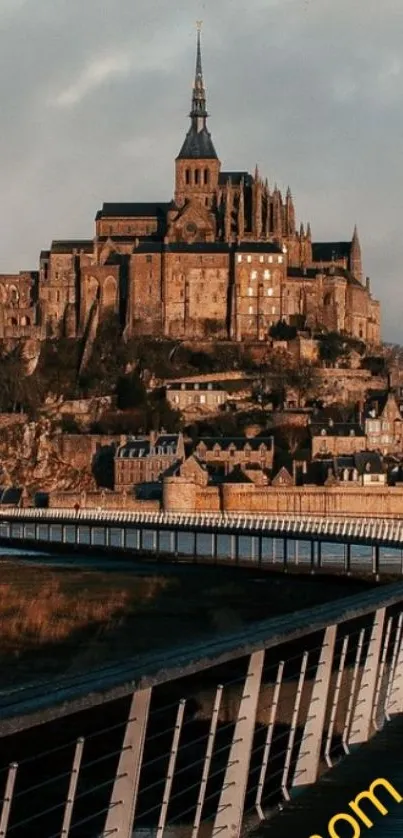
x=202, y=740
x=371, y=529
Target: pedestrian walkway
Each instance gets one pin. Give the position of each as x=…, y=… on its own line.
x=309, y=813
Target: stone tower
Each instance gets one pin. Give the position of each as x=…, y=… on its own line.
x=197, y=166
x=355, y=256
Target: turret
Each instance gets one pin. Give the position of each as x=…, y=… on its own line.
x=355, y=260
x=228, y=211
x=289, y=214
x=241, y=212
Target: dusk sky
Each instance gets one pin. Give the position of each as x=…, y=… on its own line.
x=95, y=96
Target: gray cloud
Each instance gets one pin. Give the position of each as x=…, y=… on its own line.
x=95, y=96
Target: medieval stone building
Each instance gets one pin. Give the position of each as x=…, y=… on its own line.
x=224, y=258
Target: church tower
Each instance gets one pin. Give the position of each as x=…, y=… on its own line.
x=355, y=261
x=197, y=166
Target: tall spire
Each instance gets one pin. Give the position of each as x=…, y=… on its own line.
x=198, y=112
x=198, y=143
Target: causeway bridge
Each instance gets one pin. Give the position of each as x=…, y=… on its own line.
x=344, y=544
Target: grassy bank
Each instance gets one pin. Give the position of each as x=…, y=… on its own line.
x=65, y=619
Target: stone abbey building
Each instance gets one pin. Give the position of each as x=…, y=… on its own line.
x=224, y=258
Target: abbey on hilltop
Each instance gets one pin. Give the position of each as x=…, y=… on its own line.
x=224, y=258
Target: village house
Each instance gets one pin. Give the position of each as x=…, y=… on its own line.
x=145, y=459
x=232, y=451
x=200, y=395
x=384, y=423
x=330, y=437
x=364, y=468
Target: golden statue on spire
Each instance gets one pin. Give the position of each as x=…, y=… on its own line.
x=199, y=24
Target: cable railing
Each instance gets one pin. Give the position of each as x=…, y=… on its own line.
x=214, y=746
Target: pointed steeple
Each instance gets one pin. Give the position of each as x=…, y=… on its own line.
x=355, y=260
x=198, y=109
x=198, y=143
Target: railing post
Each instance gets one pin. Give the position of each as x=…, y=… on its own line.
x=312, y=555
x=375, y=561
x=285, y=554
x=293, y=727
x=207, y=761
x=232, y=798
x=307, y=767
x=171, y=768
x=120, y=817
x=394, y=700
x=347, y=559
x=8, y=799
x=75, y=770
x=269, y=739
x=319, y=559
x=361, y=724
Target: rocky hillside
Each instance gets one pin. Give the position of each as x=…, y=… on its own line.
x=29, y=458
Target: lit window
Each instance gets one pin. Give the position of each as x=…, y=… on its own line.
x=270, y=259
x=249, y=258
x=250, y=310
x=273, y=310
x=250, y=292
x=280, y=259
x=261, y=258
x=239, y=257
x=269, y=292
x=266, y=274
x=253, y=275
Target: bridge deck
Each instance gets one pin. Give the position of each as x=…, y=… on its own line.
x=308, y=814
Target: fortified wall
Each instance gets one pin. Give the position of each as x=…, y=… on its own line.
x=181, y=495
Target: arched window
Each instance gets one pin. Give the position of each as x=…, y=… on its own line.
x=197, y=176
x=187, y=177
x=206, y=176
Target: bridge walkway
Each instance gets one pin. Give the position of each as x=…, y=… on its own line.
x=309, y=812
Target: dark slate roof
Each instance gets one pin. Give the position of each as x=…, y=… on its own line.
x=312, y=273
x=336, y=429
x=235, y=178
x=68, y=245
x=44, y=254
x=137, y=210
x=140, y=448
x=330, y=251
x=258, y=247
x=376, y=402
x=368, y=462
x=238, y=441
x=198, y=145
x=11, y=496
x=194, y=385
x=302, y=273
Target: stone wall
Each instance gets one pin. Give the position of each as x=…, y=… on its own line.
x=183, y=495
x=79, y=449
x=101, y=500
x=368, y=501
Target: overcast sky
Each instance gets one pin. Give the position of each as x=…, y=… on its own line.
x=94, y=101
